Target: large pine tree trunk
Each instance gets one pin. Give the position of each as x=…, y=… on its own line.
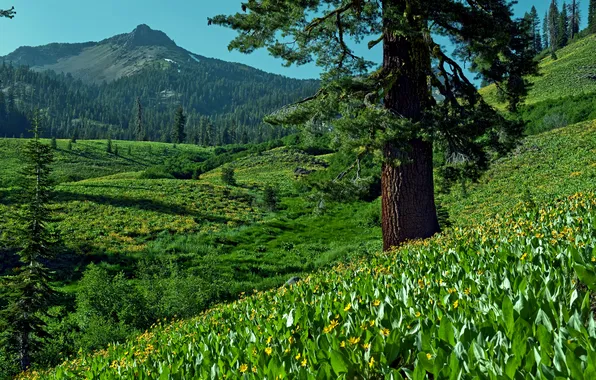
x=408, y=205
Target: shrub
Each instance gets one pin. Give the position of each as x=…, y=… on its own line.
x=227, y=176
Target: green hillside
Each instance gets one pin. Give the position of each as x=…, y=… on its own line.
x=572, y=73
x=89, y=158
x=501, y=294
x=565, y=91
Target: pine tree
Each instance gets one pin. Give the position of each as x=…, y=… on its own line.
x=270, y=197
x=563, y=27
x=553, y=26
x=53, y=143
x=29, y=291
x=227, y=175
x=178, y=134
x=139, y=132
x=109, y=146
x=545, y=32
x=592, y=16
x=536, y=37
x=574, y=18
x=391, y=110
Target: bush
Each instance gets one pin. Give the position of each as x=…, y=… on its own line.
x=270, y=197
x=227, y=176
x=554, y=121
x=156, y=172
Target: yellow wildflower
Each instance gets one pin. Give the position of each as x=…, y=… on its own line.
x=385, y=332
x=348, y=307
x=354, y=340
x=243, y=368
x=371, y=363
x=268, y=350
x=342, y=344
x=418, y=314
x=298, y=356
x=303, y=363
x=429, y=356
x=456, y=304
x=376, y=303
x=524, y=256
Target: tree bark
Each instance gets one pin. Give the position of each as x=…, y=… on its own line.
x=408, y=205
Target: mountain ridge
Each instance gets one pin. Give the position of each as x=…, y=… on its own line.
x=111, y=58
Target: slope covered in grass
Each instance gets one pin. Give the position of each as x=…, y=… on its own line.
x=543, y=167
x=503, y=294
x=572, y=73
x=499, y=299
x=90, y=159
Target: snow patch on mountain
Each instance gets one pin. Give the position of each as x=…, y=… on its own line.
x=195, y=58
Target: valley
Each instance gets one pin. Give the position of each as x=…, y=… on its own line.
x=166, y=215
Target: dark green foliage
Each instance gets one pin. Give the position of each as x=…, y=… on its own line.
x=347, y=93
x=574, y=18
x=556, y=113
x=28, y=291
x=592, y=16
x=117, y=109
x=270, y=198
x=9, y=13
x=553, y=26
x=546, y=32
x=109, y=146
x=53, y=143
x=116, y=150
x=178, y=134
x=69, y=146
x=563, y=27
x=137, y=123
x=75, y=136
x=227, y=175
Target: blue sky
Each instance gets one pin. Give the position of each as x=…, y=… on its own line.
x=39, y=22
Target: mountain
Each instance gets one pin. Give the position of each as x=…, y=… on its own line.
x=92, y=87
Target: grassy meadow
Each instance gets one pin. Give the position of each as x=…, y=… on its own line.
x=506, y=293
x=392, y=314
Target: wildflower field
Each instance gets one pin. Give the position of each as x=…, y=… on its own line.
x=507, y=298
x=507, y=292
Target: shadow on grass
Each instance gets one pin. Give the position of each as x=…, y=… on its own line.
x=139, y=204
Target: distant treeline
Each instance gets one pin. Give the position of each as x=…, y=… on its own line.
x=226, y=110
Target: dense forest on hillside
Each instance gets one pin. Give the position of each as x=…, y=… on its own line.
x=224, y=104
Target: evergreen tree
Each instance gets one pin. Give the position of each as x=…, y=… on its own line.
x=75, y=136
x=139, y=134
x=53, y=143
x=116, y=150
x=227, y=175
x=28, y=290
x=178, y=134
x=536, y=36
x=545, y=32
x=553, y=26
x=3, y=113
x=69, y=147
x=391, y=110
x=270, y=197
x=563, y=27
x=574, y=18
x=109, y=146
x=592, y=16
